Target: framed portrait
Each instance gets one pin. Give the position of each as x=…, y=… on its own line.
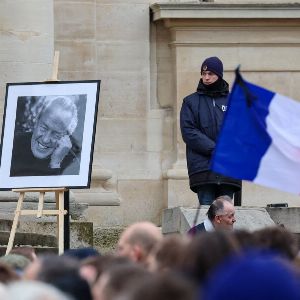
x=48, y=134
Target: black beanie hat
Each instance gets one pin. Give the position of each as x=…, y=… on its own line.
x=214, y=65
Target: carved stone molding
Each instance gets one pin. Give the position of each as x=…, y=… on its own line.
x=103, y=191
x=202, y=10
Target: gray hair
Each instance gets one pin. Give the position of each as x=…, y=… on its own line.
x=225, y=197
x=67, y=104
x=217, y=207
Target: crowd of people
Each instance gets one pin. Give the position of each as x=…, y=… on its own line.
x=147, y=265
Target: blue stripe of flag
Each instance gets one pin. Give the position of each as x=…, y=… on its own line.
x=243, y=139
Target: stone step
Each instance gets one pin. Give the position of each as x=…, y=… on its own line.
x=38, y=250
x=32, y=239
x=81, y=232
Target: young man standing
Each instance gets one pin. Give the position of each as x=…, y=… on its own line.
x=201, y=118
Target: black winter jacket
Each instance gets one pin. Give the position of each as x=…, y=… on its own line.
x=201, y=117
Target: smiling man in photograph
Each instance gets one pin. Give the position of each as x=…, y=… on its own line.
x=49, y=149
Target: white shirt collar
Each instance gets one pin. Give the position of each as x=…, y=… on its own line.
x=208, y=225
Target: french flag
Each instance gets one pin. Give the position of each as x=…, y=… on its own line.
x=260, y=138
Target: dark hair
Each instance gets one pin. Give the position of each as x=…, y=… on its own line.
x=63, y=273
x=216, y=207
x=7, y=274
x=121, y=278
x=104, y=262
x=245, y=238
x=163, y=287
x=277, y=239
x=73, y=285
x=206, y=251
x=81, y=253
x=169, y=253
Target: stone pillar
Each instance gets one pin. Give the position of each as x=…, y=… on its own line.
x=186, y=78
x=103, y=190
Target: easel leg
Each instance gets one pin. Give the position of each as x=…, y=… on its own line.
x=60, y=220
x=41, y=204
x=66, y=220
x=15, y=223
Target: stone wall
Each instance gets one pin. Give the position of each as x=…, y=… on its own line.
x=110, y=40
x=26, y=43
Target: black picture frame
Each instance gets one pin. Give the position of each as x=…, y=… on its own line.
x=48, y=134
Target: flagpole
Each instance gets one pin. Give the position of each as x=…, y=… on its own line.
x=196, y=216
x=241, y=82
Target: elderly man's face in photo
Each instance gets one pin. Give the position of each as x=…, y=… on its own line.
x=50, y=128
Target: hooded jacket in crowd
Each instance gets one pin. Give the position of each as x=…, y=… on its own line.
x=201, y=118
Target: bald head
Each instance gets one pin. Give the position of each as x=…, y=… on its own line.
x=138, y=240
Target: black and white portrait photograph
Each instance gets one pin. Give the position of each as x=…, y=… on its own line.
x=48, y=134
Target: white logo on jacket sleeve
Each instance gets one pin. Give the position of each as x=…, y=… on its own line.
x=224, y=107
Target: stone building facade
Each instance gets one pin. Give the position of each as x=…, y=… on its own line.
x=147, y=55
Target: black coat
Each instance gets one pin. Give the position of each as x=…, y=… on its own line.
x=25, y=164
x=197, y=229
x=201, y=117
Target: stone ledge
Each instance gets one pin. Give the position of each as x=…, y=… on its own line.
x=289, y=217
x=81, y=233
x=180, y=219
x=225, y=11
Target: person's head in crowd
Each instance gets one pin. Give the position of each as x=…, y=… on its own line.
x=33, y=290
x=211, y=70
x=17, y=262
x=116, y=281
x=7, y=274
x=221, y=213
x=50, y=265
x=206, y=251
x=168, y=254
x=245, y=239
x=278, y=239
x=258, y=276
x=164, y=286
x=73, y=285
x=138, y=240
x=61, y=272
x=91, y=268
x=81, y=253
x=26, y=251
x=57, y=119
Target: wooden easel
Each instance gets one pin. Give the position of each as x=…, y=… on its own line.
x=39, y=212
x=59, y=196
x=55, y=67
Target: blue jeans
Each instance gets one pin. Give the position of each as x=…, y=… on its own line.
x=208, y=193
